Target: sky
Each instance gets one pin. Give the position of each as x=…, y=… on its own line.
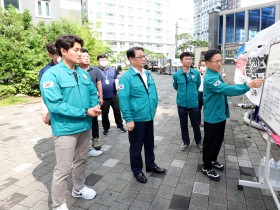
x=183, y=8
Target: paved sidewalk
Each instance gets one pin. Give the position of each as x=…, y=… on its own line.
x=27, y=161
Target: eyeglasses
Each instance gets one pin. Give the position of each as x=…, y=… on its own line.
x=141, y=57
x=217, y=62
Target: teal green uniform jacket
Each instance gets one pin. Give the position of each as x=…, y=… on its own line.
x=187, y=90
x=66, y=100
x=137, y=104
x=215, y=94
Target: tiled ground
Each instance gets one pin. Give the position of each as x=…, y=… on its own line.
x=27, y=161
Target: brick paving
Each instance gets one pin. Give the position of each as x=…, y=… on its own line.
x=27, y=161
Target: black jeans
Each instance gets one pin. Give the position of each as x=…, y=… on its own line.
x=212, y=142
x=194, y=117
x=95, y=128
x=114, y=102
x=142, y=134
x=200, y=104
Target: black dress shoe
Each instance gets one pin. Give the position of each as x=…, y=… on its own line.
x=156, y=170
x=140, y=177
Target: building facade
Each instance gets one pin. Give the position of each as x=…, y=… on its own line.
x=128, y=23
x=202, y=8
x=238, y=26
x=48, y=10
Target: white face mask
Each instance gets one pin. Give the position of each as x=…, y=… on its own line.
x=103, y=63
x=202, y=68
x=58, y=59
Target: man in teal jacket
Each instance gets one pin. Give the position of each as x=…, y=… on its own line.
x=71, y=99
x=187, y=81
x=138, y=102
x=216, y=110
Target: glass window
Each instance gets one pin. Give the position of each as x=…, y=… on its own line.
x=268, y=17
x=254, y=23
x=43, y=9
x=230, y=28
x=221, y=30
x=39, y=8
x=15, y=3
x=48, y=13
x=239, y=26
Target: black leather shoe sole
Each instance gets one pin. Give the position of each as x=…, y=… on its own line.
x=156, y=170
x=140, y=178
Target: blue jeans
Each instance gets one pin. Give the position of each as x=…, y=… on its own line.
x=194, y=117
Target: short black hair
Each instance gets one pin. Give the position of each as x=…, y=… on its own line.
x=210, y=53
x=102, y=56
x=84, y=50
x=130, y=53
x=201, y=61
x=185, y=54
x=66, y=42
x=51, y=48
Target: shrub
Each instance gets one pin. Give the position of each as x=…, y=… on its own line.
x=7, y=90
x=29, y=84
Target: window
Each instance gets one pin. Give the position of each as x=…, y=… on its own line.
x=43, y=9
x=268, y=17
x=230, y=28
x=110, y=35
x=14, y=3
x=239, y=26
x=254, y=23
x=110, y=16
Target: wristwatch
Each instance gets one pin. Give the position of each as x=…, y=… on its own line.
x=86, y=110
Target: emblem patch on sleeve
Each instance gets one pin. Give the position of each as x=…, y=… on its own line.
x=121, y=87
x=218, y=82
x=48, y=84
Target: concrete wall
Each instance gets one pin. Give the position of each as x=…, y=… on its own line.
x=197, y=54
x=229, y=69
x=213, y=30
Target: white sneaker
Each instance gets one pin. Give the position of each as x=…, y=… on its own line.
x=94, y=153
x=62, y=207
x=85, y=193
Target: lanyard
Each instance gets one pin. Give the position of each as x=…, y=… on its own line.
x=106, y=73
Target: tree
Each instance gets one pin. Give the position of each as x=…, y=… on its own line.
x=199, y=43
x=186, y=42
x=18, y=45
x=22, y=47
x=151, y=56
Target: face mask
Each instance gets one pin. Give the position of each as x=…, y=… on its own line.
x=202, y=68
x=103, y=63
x=58, y=59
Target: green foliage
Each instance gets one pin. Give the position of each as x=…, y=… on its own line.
x=188, y=44
x=7, y=90
x=22, y=47
x=94, y=46
x=151, y=56
x=29, y=85
x=199, y=43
